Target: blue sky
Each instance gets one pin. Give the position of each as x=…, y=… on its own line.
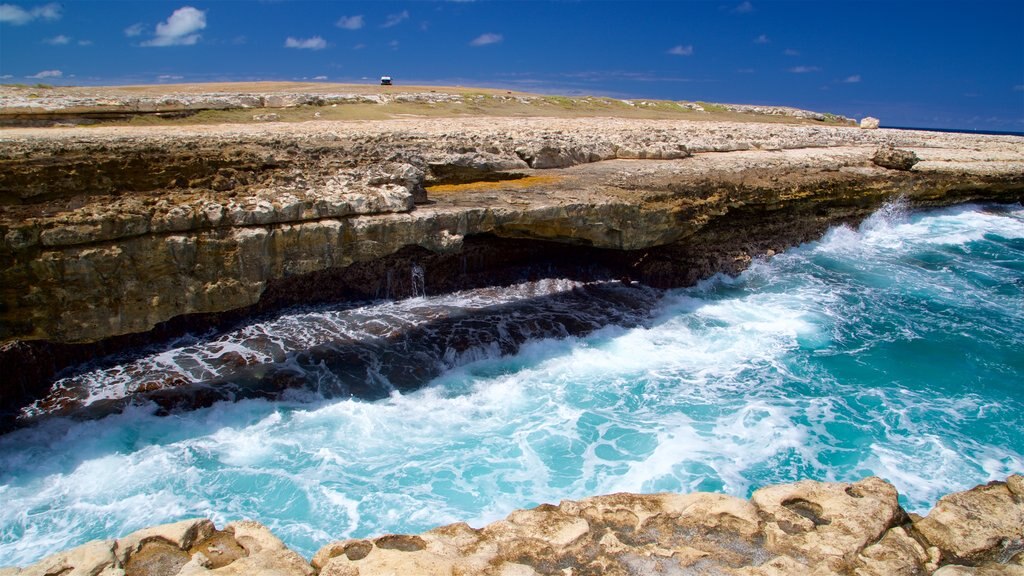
x=911, y=63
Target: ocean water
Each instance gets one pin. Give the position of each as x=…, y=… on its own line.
x=895, y=349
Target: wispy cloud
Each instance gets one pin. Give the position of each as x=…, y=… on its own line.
x=485, y=39
x=1018, y=88
x=135, y=30
x=14, y=14
x=762, y=39
x=852, y=79
x=395, y=19
x=743, y=8
x=181, y=28
x=314, y=43
x=681, y=50
x=46, y=74
x=319, y=77
x=58, y=40
x=804, y=69
x=351, y=22
x=791, y=52
x=169, y=77
x=85, y=42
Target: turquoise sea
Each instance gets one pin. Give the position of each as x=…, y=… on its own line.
x=895, y=349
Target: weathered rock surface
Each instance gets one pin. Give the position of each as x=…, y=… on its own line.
x=869, y=123
x=801, y=528
x=895, y=158
x=106, y=233
x=189, y=547
x=111, y=231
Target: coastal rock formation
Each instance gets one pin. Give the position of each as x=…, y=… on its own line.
x=110, y=234
x=114, y=231
x=895, y=158
x=802, y=528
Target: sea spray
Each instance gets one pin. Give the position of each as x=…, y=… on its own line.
x=892, y=349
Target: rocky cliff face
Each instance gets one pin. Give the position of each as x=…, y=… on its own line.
x=802, y=528
x=109, y=233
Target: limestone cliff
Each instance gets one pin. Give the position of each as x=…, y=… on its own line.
x=111, y=233
x=803, y=528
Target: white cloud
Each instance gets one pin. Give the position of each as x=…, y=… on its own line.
x=791, y=52
x=314, y=43
x=852, y=79
x=393, y=44
x=804, y=69
x=1018, y=88
x=180, y=29
x=681, y=50
x=319, y=77
x=359, y=46
x=46, y=74
x=485, y=39
x=351, y=22
x=85, y=42
x=744, y=7
x=134, y=30
x=6, y=76
x=169, y=77
x=762, y=39
x=396, y=19
x=17, y=15
x=58, y=40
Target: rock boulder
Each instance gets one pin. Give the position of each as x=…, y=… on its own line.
x=869, y=123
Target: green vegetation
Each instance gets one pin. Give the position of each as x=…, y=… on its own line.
x=711, y=107
x=562, y=101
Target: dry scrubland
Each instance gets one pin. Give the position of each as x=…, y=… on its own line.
x=398, y=102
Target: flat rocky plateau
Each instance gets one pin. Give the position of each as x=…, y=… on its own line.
x=116, y=236
x=802, y=528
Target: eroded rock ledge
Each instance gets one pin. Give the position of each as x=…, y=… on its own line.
x=111, y=233
x=802, y=528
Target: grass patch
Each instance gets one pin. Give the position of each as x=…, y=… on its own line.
x=712, y=107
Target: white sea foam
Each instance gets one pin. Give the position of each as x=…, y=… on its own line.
x=845, y=357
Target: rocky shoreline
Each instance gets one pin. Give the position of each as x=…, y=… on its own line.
x=113, y=237
x=801, y=528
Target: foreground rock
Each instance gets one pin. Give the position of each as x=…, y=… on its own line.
x=110, y=236
x=802, y=528
x=189, y=547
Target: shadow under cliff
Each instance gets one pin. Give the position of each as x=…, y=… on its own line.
x=366, y=368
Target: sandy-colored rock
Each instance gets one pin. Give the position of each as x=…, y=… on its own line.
x=91, y=559
x=180, y=535
x=664, y=533
x=825, y=521
x=895, y=158
x=187, y=548
x=978, y=525
x=815, y=528
x=869, y=123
